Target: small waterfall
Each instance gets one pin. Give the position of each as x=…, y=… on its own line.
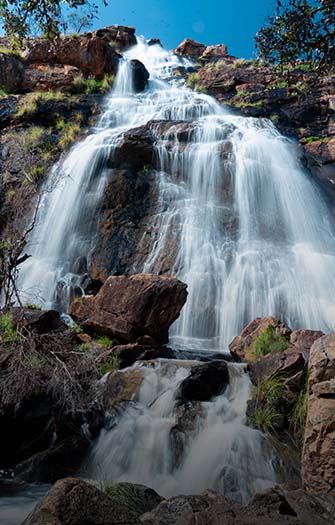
x=222, y=454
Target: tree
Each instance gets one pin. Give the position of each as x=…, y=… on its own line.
x=300, y=30
x=22, y=18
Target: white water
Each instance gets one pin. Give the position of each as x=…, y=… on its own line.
x=222, y=453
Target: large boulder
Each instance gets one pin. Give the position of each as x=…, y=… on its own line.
x=140, y=75
x=135, y=149
x=190, y=48
x=72, y=501
x=204, y=382
x=122, y=37
x=40, y=321
x=128, y=307
x=318, y=459
x=215, y=53
x=12, y=71
x=44, y=77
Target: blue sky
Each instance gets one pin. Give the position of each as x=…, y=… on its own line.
x=232, y=22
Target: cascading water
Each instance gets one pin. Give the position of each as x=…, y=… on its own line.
x=222, y=453
x=252, y=236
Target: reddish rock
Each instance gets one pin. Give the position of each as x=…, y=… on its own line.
x=190, y=48
x=120, y=388
x=318, y=459
x=215, y=53
x=290, y=362
x=128, y=307
x=303, y=340
x=50, y=78
x=242, y=344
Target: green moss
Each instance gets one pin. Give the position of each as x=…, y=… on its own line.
x=7, y=328
x=267, y=342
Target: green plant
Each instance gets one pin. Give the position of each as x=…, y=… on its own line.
x=12, y=52
x=311, y=139
x=70, y=132
x=34, y=175
x=265, y=418
x=92, y=85
x=109, y=364
x=78, y=329
x=299, y=413
x=192, y=79
x=266, y=343
x=104, y=340
x=32, y=306
x=302, y=87
x=30, y=103
x=7, y=328
x=267, y=396
x=85, y=347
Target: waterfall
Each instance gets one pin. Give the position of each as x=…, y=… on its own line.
x=222, y=453
x=253, y=234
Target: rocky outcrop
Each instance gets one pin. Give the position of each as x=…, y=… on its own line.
x=72, y=501
x=12, y=72
x=130, y=307
x=190, y=48
x=241, y=346
x=318, y=461
x=41, y=321
x=204, y=382
x=127, y=355
x=214, y=53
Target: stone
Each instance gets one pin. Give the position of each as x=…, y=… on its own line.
x=204, y=382
x=214, y=53
x=128, y=307
x=12, y=72
x=135, y=150
x=242, y=344
x=126, y=355
x=120, y=388
x=40, y=321
x=190, y=48
x=318, y=460
x=72, y=501
x=140, y=75
x=122, y=37
x=154, y=42
x=45, y=77
x=289, y=362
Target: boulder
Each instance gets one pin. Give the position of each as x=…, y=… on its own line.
x=204, y=382
x=126, y=355
x=214, y=53
x=50, y=78
x=140, y=75
x=122, y=37
x=318, y=459
x=120, y=388
x=72, y=501
x=135, y=150
x=242, y=344
x=154, y=42
x=40, y=321
x=302, y=340
x=87, y=52
x=289, y=363
x=12, y=72
x=128, y=307
x=190, y=48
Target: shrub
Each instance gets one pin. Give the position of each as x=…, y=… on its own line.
x=70, y=132
x=267, y=396
x=192, y=79
x=267, y=342
x=105, y=340
x=299, y=413
x=93, y=86
x=109, y=364
x=30, y=103
x=7, y=328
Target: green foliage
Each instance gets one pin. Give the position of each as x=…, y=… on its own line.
x=109, y=364
x=192, y=80
x=78, y=329
x=31, y=103
x=85, y=347
x=105, y=340
x=93, y=86
x=267, y=342
x=69, y=133
x=9, y=51
x=311, y=139
x=265, y=417
x=299, y=30
x=267, y=395
x=34, y=175
x=32, y=306
x=302, y=87
x=7, y=329
x=274, y=118
x=22, y=18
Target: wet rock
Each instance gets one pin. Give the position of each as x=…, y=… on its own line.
x=120, y=388
x=126, y=355
x=41, y=321
x=318, y=461
x=72, y=501
x=135, y=150
x=137, y=499
x=12, y=72
x=205, y=381
x=128, y=307
x=242, y=344
x=190, y=48
x=140, y=75
x=188, y=414
x=54, y=463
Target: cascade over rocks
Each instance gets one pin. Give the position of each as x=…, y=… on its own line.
x=128, y=307
x=318, y=460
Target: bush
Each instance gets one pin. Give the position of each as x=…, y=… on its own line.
x=30, y=103
x=109, y=364
x=267, y=342
x=93, y=86
x=7, y=329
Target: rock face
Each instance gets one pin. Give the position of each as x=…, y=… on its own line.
x=134, y=306
x=214, y=53
x=204, y=382
x=11, y=72
x=241, y=345
x=72, y=501
x=190, y=48
x=318, y=460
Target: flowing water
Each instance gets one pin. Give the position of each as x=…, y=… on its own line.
x=252, y=235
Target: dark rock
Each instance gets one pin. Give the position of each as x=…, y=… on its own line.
x=135, y=150
x=205, y=381
x=120, y=388
x=72, y=501
x=59, y=461
x=127, y=307
x=140, y=75
x=289, y=362
x=12, y=72
x=40, y=321
x=126, y=355
x=123, y=37
x=154, y=42
x=50, y=78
